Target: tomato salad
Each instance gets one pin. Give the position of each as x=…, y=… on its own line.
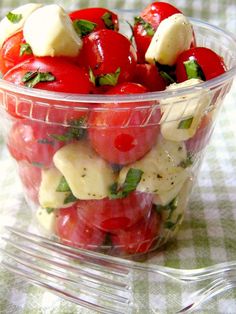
x=102, y=180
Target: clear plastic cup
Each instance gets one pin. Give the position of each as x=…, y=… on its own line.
x=93, y=192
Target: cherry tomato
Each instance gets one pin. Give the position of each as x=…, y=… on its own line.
x=201, y=137
x=147, y=24
x=110, y=215
x=103, y=18
x=61, y=76
x=116, y=143
x=34, y=142
x=74, y=231
x=210, y=63
x=139, y=238
x=30, y=176
x=12, y=52
x=108, y=52
x=149, y=76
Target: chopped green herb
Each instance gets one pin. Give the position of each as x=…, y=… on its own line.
x=63, y=186
x=14, y=18
x=187, y=162
x=76, y=131
x=193, y=70
x=45, y=141
x=70, y=198
x=170, y=224
x=37, y=164
x=83, y=27
x=92, y=77
x=185, y=124
x=107, y=19
x=109, y=78
x=132, y=179
x=169, y=80
x=146, y=26
x=30, y=79
x=49, y=210
x=132, y=31
x=25, y=49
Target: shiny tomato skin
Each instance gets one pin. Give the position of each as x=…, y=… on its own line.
x=95, y=15
x=112, y=215
x=153, y=14
x=69, y=78
x=210, y=62
x=141, y=237
x=10, y=52
x=116, y=143
x=30, y=176
x=33, y=142
x=74, y=231
x=105, y=51
x=149, y=76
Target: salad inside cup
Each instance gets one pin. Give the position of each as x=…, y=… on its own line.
x=108, y=129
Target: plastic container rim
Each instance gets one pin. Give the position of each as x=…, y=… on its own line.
x=149, y=96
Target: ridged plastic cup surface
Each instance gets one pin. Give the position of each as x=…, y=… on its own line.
x=63, y=146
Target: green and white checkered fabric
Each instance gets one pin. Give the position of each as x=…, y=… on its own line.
x=208, y=233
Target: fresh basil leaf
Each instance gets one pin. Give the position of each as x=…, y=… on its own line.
x=83, y=27
x=193, y=70
x=132, y=31
x=77, y=131
x=185, y=124
x=169, y=80
x=37, y=164
x=92, y=77
x=146, y=26
x=187, y=162
x=107, y=19
x=45, y=141
x=30, y=79
x=49, y=210
x=70, y=198
x=132, y=179
x=25, y=49
x=110, y=79
x=14, y=18
x=63, y=186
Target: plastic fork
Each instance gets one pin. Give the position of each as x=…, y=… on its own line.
x=109, y=284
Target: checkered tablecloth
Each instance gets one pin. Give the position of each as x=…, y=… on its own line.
x=208, y=234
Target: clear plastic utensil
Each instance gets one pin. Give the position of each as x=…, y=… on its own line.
x=109, y=284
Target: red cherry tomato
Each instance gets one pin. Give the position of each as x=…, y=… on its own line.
x=34, y=142
x=201, y=137
x=106, y=52
x=30, y=177
x=74, y=231
x=110, y=215
x=151, y=17
x=139, y=238
x=211, y=63
x=66, y=77
x=104, y=18
x=10, y=53
x=149, y=76
x=116, y=134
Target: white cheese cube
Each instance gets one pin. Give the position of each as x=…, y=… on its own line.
x=88, y=175
x=161, y=168
x=48, y=195
x=189, y=107
x=173, y=36
x=49, y=31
